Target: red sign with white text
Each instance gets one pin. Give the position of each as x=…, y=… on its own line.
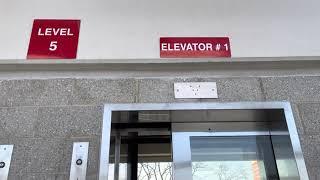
x=54, y=39
x=194, y=47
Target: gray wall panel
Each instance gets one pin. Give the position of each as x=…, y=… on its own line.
x=68, y=121
x=314, y=173
x=39, y=176
x=100, y=91
x=299, y=88
x=18, y=121
x=31, y=92
x=311, y=150
x=311, y=118
x=37, y=155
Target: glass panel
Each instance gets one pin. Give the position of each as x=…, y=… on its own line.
x=123, y=161
x=286, y=163
x=141, y=158
x=155, y=171
x=122, y=171
x=233, y=158
x=154, y=161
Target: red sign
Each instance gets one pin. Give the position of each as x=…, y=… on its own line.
x=194, y=47
x=54, y=39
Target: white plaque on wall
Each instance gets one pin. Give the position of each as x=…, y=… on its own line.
x=195, y=90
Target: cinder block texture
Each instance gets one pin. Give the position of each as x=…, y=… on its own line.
x=38, y=176
x=311, y=150
x=92, y=177
x=155, y=90
x=69, y=121
x=52, y=92
x=4, y=140
x=36, y=92
x=37, y=155
x=310, y=114
x=301, y=89
x=238, y=89
x=100, y=91
x=17, y=122
x=314, y=173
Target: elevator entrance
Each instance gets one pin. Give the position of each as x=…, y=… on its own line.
x=140, y=150
x=169, y=143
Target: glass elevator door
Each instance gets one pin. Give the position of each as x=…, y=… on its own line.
x=230, y=156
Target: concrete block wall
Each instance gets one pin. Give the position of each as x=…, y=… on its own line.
x=43, y=117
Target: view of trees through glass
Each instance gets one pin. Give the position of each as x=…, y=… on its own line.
x=155, y=171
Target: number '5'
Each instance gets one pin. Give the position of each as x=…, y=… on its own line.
x=53, y=45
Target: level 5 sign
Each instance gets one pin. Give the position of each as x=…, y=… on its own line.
x=54, y=39
x=194, y=47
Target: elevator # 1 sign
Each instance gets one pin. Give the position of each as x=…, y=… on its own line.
x=54, y=39
x=194, y=47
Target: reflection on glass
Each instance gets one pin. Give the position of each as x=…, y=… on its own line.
x=122, y=171
x=286, y=163
x=228, y=170
x=154, y=161
x=155, y=171
x=232, y=158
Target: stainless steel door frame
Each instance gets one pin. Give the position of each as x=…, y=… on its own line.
x=285, y=106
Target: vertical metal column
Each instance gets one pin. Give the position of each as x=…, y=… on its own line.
x=5, y=160
x=117, y=154
x=269, y=158
x=132, y=158
x=132, y=169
